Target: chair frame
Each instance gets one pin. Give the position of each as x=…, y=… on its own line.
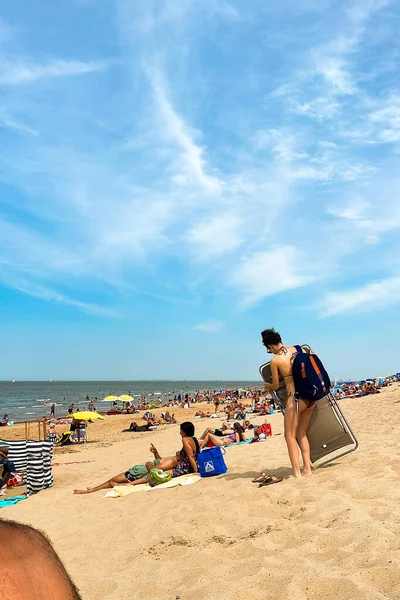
x=335, y=409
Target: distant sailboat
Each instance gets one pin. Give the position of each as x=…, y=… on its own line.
x=13, y=381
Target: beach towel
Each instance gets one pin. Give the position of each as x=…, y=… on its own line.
x=125, y=490
x=11, y=501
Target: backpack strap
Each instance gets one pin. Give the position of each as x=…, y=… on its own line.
x=299, y=349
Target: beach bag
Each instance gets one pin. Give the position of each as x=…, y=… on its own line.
x=211, y=462
x=158, y=476
x=311, y=381
x=263, y=431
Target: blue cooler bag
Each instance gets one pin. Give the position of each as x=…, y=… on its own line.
x=211, y=462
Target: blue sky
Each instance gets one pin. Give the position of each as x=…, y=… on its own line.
x=177, y=176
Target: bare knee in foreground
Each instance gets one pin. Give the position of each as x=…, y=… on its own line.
x=29, y=567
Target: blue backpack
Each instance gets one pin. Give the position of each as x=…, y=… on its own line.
x=311, y=381
x=211, y=462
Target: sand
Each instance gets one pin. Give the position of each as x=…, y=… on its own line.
x=335, y=535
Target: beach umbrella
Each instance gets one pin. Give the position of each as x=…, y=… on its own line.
x=87, y=416
x=126, y=398
x=110, y=398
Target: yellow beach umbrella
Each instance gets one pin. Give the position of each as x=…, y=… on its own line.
x=87, y=416
x=126, y=398
x=110, y=398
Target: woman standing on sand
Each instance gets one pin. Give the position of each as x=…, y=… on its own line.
x=184, y=461
x=295, y=421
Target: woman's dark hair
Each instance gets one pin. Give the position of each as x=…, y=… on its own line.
x=270, y=337
x=188, y=428
x=239, y=430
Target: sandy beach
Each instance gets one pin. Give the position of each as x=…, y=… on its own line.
x=335, y=535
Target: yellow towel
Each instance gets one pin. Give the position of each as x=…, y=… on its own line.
x=125, y=490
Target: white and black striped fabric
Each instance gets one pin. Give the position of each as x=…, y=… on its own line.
x=34, y=458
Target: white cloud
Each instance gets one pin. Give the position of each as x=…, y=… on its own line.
x=49, y=295
x=7, y=121
x=266, y=273
x=334, y=72
x=211, y=326
x=386, y=120
x=356, y=210
x=14, y=73
x=216, y=236
x=192, y=155
x=318, y=108
x=370, y=296
x=281, y=142
x=178, y=171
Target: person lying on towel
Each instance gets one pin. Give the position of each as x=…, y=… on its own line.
x=184, y=462
x=236, y=437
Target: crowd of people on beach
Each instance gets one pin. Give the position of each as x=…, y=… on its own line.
x=235, y=405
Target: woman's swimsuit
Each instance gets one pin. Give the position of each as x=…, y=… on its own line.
x=183, y=466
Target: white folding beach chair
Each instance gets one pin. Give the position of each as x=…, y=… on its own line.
x=82, y=433
x=329, y=432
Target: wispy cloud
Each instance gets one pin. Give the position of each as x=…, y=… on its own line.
x=49, y=295
x=215, y=168
x=192, y=155
x=377, y=294
x=14, y=73
x=216, y=236
x=211, y=326
x=263, y=274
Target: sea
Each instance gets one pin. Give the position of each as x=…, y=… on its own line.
x=31, y=400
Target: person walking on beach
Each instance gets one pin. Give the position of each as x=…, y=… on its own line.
x=53, y=410
x=295, y=422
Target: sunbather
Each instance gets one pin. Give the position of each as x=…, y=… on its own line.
x=236, y=437
x=225, y=429
x=135, y=427
x=182, y=463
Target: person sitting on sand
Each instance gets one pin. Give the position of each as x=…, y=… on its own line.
x=168, y=418
x=4, y=421
x=236, y=437
x=184, y=461
x=231, y=414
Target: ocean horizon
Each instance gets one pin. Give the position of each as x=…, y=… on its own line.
x=30, y=400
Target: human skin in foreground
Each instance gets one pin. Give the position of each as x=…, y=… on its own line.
x=29, y=567
x=295, y=422
x=170, y=464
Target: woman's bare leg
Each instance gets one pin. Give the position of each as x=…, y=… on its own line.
x=166, y=464
x=305, y=412
x=215, y=439
x=208, y=430
x=107, y=484
x=136, y=482
x=290, y=424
